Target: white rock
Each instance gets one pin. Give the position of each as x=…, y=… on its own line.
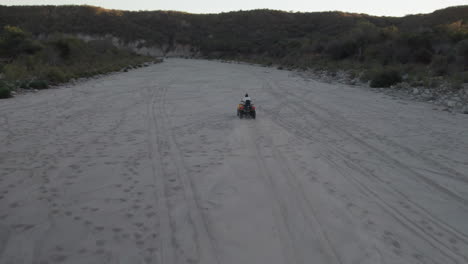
x=450, y=103
x=415, y=91
x=465, y=109
x=427, y=95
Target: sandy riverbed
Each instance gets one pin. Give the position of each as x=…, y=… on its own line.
x=153, y=166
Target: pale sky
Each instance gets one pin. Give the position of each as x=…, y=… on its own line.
x=372, y=7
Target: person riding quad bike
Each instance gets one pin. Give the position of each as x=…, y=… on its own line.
x=246, y=108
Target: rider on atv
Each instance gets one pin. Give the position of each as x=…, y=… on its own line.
x=246, y=99
x=246, y=108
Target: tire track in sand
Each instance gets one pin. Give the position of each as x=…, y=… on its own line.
x=401, y=217
x=166, y=223
x=177, y=182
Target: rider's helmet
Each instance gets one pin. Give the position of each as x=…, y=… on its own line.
x=246, y=95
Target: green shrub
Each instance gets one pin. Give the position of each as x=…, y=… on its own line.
x=457, y=80
x=352, y=74
x=23, y=84
x=440, y=65
x=367, y=75
x=456, y=84
x=416, y=82
x=462, y=50
x=5, y=91
x=464, y=76
x=431, y=82
x=14, y=42
x=422, y=55
x=339, y=50
x=55, y=75
x=385, y=78
x=39, y=84
x=15, y=72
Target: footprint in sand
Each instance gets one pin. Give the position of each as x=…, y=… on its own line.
x=140, y=243
x=58, y=258
x=150, y=214
x=59, y=248
x=100, y=243
x=100, y=252
x=14, y=205
x=138, y=224
x=151, y=250
x=55, y=212
x=28, y=227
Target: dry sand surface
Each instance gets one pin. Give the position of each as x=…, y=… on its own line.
x=153, y=166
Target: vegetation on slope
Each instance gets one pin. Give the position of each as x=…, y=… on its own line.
x=418, y=46
x=30, y=63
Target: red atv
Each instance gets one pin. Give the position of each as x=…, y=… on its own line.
x=246, y=110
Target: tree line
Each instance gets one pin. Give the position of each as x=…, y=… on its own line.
x=434, y=44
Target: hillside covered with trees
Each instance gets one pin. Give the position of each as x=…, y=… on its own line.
x=434, y=45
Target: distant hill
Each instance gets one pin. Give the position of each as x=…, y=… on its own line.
x=435, y=43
